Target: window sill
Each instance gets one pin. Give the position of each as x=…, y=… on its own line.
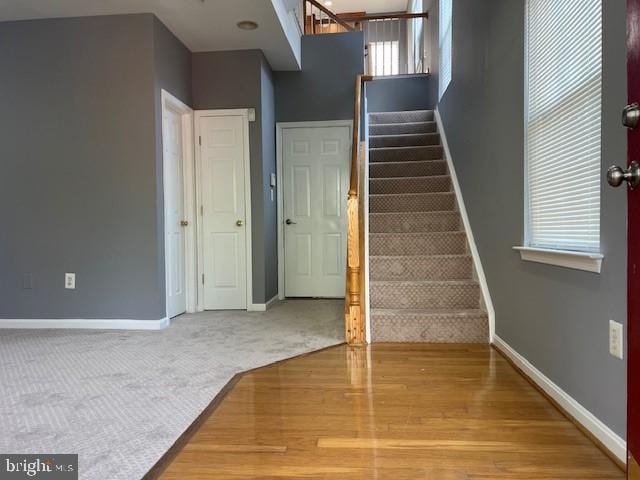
x=589, y=262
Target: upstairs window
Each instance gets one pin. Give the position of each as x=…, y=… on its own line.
x=445, y=44
x=563, y=124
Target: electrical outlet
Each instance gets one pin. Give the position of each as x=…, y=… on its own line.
x=27, y=281
x=70, y=281
x=616, y=339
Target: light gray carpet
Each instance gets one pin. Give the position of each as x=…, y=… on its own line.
x=120, y=399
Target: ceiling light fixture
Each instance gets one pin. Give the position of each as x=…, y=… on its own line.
x=247, y=25
x=328, y=3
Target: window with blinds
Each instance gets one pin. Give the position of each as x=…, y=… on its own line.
x=563, y=124
x=445, y=45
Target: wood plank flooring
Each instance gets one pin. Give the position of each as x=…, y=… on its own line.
x=433, y=412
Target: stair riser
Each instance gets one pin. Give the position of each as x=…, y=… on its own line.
x=420, y=268
x=404, y=140
x=440, y=329
x=408, y=169
x=399, y=186
x=401, y=117
x=412, y=203
x=442, y=244
x=403, y=128
x=428, y=296
x=414, y=222
x=405, y=154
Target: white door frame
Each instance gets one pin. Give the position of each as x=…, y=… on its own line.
x=244, y=113
x=169, y=101
x=280, y=127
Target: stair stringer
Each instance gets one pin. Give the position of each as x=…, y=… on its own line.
x=473, y=249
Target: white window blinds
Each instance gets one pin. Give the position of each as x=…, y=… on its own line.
x=563, y=124
x=446, y=44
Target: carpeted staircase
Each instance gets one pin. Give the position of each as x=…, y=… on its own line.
x=422, y=280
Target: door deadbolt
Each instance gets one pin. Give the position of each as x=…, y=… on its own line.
x=631, y=115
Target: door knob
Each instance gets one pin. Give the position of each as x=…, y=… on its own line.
x=289, y=222
x=631, y=115
x=184, y=223
x=616, y=175
x=239, y=223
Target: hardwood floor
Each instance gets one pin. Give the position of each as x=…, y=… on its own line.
x=434, y=412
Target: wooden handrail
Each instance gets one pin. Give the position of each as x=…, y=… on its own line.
x=329, y=14
x=355, y=279
x=358, y=17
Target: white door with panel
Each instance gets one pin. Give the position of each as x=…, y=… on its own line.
x=173, y=155
x=223, y=212
x=315, y=174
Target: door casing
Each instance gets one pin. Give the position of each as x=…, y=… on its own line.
x=280, y=127
x=169, y=101
x=244, y=113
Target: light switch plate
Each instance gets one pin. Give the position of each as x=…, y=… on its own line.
x=252, y=114
x=70, y=281
x=616, y=334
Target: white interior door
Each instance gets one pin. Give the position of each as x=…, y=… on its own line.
x=173, y=155
x=224, y=212
x=315, y=173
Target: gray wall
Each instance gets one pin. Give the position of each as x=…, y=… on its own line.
x=78, y=190
x=398, y=94
x=238, y=79
x=557, y=318
x=270, y=214
x=324, y=89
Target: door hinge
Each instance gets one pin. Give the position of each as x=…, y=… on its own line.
x=200, y=140
x=203, y=278
x=201, y=210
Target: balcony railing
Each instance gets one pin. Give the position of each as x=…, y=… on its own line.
x=395, y=44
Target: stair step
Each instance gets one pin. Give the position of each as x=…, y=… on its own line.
x=412, y=202
x=429, y=326
x=446, y=221
x=405, y=154
x=397, y=185
x=438, y=243
x=404, y=140
x=402, y=128
x=408, y=169
x=411, y=267
x=401, y=117
x=457, y=294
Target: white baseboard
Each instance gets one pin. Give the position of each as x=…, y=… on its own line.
x=78, y=323
x=263, y=307
x=477, y=263
x=611, y=440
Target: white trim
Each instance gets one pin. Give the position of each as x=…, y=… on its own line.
x=243, y=112
x=263, y=307
x=280, y=127
x=477, y=263
x=589, y=262
x=367, y=279
x=604, y=434
x=88, y=324
x=188, y=168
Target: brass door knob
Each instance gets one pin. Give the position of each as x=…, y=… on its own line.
x=184, y=223
x=239, y=223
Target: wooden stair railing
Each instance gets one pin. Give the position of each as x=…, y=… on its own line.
x=319, y=19
x=355, y=299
